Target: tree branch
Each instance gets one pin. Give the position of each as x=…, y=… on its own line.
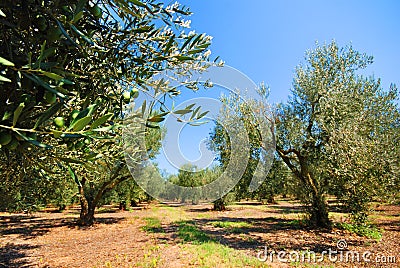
x=106, y=185
x=284, y=155
x=289, y=151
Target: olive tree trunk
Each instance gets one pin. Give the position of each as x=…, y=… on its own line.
x=89, y=203
x=318, y=208
x=219, y=204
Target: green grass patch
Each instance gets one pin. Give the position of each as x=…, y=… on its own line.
x=298, y=223
x=366, y=230
x=213, y=254
x=383, y=217
x=202, y=215
x=208, y=252
x=189, y=232
x=153, y=225
x=232, y=226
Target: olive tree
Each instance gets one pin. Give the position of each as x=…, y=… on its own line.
x=338, y=133
x=251, y=113
x=66, y=70
x=336, y=130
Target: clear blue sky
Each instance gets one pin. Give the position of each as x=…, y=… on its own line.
x=266, y=40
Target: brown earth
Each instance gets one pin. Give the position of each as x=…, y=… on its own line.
x=50, y=239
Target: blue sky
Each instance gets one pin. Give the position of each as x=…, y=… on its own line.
x=266, y=40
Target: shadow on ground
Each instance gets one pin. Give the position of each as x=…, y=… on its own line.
x=13, y=255
x=248, y=238
x=28, y=227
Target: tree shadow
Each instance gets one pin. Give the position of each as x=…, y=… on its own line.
x=390, y=225
x=248, y=203
x=290, y=209
x=15, y=255
x=28, y=227
x=199, y=210
x=248, y=238
x=105, y=220
x=281, y=209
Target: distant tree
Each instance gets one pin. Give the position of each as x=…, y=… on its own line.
x=277, y=181
x=128, y=193
x=249, y=113
x=190, y=176
x=30, y=193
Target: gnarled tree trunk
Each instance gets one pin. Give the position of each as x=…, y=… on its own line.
x=219, y=204
x=86, y=216
x=89, y=203
x=318, y=211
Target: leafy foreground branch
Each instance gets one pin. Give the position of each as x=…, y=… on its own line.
x=67, y=68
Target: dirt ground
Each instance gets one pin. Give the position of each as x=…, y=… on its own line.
x=119, y=239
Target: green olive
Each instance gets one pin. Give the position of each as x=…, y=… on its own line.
x=74, y=114
x=13, y=144
x=63, y=18
x=5, y=138
x=50, y=97
x=96, y=11
x=126, y=95
x=135, y=93
x=59, y=121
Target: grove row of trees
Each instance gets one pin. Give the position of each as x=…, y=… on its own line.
x=67, y=68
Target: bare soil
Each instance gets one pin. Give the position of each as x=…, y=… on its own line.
x=51, y=239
